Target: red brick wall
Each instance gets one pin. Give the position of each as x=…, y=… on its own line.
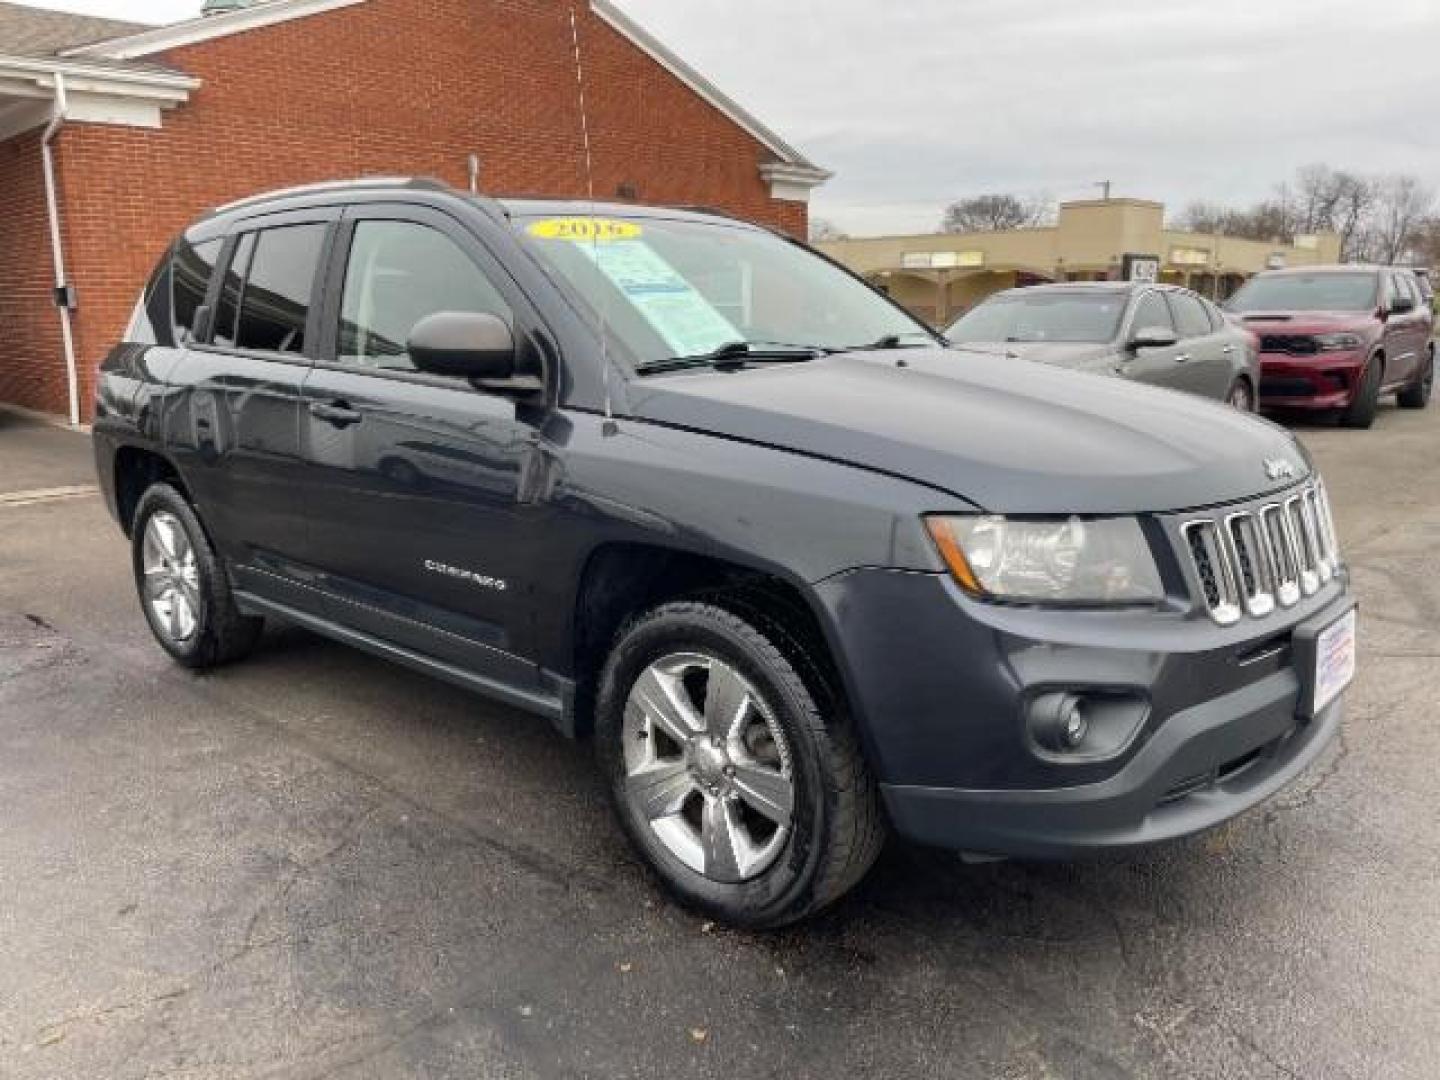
x=32, y=365
x=386, y=87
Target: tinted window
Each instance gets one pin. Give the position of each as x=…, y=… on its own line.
x=397, y=274
x=276, y=299
x=191, y=269
x=1152, y=313
x=1307, y=292
x=1190, y=318
x=1078, y=315
x=230, y=292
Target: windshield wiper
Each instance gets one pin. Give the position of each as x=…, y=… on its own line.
x=889, y=341
x=735, y=354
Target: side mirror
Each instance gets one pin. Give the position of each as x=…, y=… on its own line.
x=463, y=344
x=1153, y=337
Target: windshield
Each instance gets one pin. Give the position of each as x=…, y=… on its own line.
x=1307, y=292
x=1086, y=317
x=685, y=288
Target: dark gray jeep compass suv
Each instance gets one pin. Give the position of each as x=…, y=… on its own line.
x=681, y=485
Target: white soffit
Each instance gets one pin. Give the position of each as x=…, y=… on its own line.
x=207, y=28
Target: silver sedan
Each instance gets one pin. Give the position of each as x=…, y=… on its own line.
x=1158, y=334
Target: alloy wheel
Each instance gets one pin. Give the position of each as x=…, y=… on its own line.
x=707, y=767
x=172, y=577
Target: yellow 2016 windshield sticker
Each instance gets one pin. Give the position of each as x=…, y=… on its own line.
x=585, y=230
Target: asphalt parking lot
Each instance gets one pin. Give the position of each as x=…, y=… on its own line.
x=317, y=865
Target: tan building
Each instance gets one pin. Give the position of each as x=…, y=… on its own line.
x=941, y=275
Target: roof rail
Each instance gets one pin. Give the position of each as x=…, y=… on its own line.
x=358, y=184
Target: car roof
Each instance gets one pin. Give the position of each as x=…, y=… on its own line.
x=1103, y=287
x=1314, y=271
x=378, y=187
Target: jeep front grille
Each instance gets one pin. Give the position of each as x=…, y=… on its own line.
x=1260, y=558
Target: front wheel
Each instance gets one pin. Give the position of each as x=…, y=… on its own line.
x=1361, y=413
x=739, y=782
x=184, y=591
x=1417, y=394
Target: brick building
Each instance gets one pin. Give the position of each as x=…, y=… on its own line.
x=146, y=127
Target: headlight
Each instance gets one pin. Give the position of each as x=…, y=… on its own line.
x=1069, y=561
x=1337, y=342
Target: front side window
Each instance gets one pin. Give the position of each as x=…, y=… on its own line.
x=1152, y=313
x=227, y=315
x=275, y=304
x=1308, y=292
x=398, y=273
x=680, y=288
x=1190, y=318
x=1079, y=316
x=191, y=268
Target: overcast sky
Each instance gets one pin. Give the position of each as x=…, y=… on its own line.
x=916, y=102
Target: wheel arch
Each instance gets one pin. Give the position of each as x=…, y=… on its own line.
x=621, y=580
x=136, y=469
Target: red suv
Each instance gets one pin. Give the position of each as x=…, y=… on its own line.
x=1335, y=338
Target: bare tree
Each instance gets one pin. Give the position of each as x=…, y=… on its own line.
x=1402, y=205
x=994, y=213
x=1324, y=199
x=822, y=230
x=1427, y=242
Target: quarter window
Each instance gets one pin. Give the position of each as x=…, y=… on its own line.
x=397, y=274
x=191, y=268
x=276, y=300
x=1190, y=318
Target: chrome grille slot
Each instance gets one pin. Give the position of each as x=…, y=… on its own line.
x=1264, y=557
x=1253, y=561
x=1215, y=565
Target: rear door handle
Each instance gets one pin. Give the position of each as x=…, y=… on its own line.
x=1183, y=358
x=338, y=413
x=1229, y=350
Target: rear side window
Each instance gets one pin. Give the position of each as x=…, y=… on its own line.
x=1152, y=314
x=275, y=302
x=191, y=268
x=1190, y=318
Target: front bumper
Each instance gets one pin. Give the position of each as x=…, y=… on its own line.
x=1323, y=381
x=942, y=695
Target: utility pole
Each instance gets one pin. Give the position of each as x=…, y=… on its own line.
x=1104, y=186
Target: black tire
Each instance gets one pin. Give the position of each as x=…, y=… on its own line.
x=837, y=828
x=1241, y=395
x=1417, y=394
x=221, y=635
x=1361, y=413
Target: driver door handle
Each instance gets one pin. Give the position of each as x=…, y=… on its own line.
x=1183, y=358
x=338, y=413
x=1229, y=349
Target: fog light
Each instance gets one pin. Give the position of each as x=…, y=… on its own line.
x=1058, y=722
x=1076, y=727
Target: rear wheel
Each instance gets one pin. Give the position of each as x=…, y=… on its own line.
x=740, y=783
x=184, y=591
x=1417, y=394
x=1361, y=413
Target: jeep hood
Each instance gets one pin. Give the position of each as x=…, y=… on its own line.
x=1005, y=435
